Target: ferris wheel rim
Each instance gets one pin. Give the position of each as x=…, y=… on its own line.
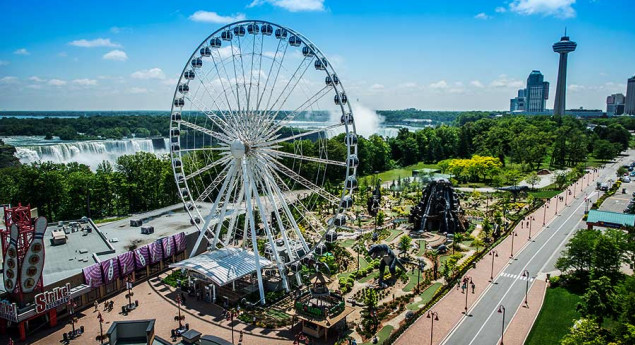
x=344, y=107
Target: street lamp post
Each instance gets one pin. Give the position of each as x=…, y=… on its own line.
x=101, y=329
x=557, y=197
x=501, y=309
x=178, y=302
x=435, y=317
x=467, y=289
x=513, y=234
x=493, y=254
x=526, y=276
x=544, y=217
x=129, y=283
x=71, y=312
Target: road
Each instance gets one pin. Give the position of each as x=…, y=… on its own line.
x=484, y=323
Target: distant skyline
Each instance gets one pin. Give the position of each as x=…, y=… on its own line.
x=451, y=55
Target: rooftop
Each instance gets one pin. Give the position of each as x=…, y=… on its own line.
x=605, y=217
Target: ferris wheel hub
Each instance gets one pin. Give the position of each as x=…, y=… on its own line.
x=237, y=148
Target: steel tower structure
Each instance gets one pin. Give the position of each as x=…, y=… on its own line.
x=563, y=47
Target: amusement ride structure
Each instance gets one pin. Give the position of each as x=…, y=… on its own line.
x=248, y=177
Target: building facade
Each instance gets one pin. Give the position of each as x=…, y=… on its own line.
x=615, y=104
x=629, y=106
x=533, y=98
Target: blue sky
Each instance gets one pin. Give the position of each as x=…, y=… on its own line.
x=434, y=55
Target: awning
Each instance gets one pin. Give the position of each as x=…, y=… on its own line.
x=223, y=266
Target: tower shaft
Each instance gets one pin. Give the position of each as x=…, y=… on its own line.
x=561, y=86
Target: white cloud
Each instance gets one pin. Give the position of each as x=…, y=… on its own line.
x=4, y=62
x=153, y=73
x=85, y=82
x=293, y=5
x=482, y=16
x=409, y=85
x=441, y=84
x=213, y=17
x=226, y=51
x=556, y=8
x=8, y=80
x=21, y=51
x=170, y=81
x=503, y=81
x=97, y=42
x=118, y=29
x=500, y=9
x=62, y=54
x=576, y=87
x=57, y=82
x=37, y=79
x=377, y=87
x=476, y=83
x=116, y=55
x=137, y=90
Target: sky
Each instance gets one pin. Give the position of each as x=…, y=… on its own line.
x=424, y=54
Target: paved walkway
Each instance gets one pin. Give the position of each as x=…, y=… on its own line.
x=452, y=307
x=519, y=327
x=156, y=301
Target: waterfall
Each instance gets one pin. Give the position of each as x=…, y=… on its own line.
x=91, y=152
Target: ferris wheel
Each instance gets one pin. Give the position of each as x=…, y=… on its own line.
x=252, y=115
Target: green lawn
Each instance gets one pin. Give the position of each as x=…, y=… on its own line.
x=556, y=317
x=426, y=296
x=545, y=194
x=394, y=174
x=422, y=247
x=393, y=235
x=382, y=335
x=348, y=243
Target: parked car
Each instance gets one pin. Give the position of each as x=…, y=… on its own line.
x=626, y=179
x=632, y=173
x=604, y=187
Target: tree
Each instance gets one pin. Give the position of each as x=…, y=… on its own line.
x=605, y=150
x=584, y=332
x=532, y=179
x=597, y=301
x=578, y=255
x=607, y=257
x=560, y=179
x=404, y=243
x=380, y=218
x=478, y=243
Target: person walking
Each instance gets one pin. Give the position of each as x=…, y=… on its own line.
x=240, y=339
x=473, y=287
x=96, y=304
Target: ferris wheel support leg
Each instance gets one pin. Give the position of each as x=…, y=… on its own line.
x=263, y=216
x=208, y=219
x=254, y=241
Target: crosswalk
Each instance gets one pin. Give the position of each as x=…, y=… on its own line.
x=515, y=276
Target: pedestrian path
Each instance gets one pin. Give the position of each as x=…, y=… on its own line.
x=454, y=306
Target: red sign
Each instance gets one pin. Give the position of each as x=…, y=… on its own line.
x=51, y=299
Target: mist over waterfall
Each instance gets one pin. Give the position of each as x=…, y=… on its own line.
x=90, y=153
x=367, y=121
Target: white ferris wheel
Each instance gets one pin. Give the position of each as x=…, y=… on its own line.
x=248, y=176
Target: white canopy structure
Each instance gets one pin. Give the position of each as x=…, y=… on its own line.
x=223, y=266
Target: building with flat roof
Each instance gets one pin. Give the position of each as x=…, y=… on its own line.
x=533, y=98
x=629, y=106
x=615, y=104
x=608, y=219
x=85, y=262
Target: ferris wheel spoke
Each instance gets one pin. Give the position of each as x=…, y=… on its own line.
x=220, y=79
x=304, y=213
x=291, y=115
x=285, y=207
x=264, y=182
x=211, y=133
x=269, y=111
x=223, y=126
x=276, y=153
x=204, y=80
x=238, y=199
x=240, y=110
x=299, y=135
x=223, y=212
x=204, y=231
x=303, y=181
x=215, y=148
x=275, y=79
x=220, y=161
x=214, y=185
